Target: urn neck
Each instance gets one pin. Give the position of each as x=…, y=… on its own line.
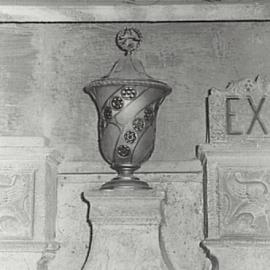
x=125, y=171
x=125, y=179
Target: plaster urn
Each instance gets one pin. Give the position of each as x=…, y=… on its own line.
x=127, y=101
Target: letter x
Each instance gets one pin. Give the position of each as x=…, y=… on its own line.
x=256, y=115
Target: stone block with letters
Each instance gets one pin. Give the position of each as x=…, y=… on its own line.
x=240, y=113
x=236, y=162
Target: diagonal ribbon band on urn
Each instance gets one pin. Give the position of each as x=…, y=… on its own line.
x=127, y=101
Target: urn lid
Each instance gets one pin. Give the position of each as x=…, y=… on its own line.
x=128, y=69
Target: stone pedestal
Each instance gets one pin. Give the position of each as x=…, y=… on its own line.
x=28, y=173
x=125, y=230
x=237, y=177
x=237, y=206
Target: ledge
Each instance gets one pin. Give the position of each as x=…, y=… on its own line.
x=127, y=11
x=17, y=141
x=90, y=167
x=260, y=148
x=237, y=241
x=27, y=246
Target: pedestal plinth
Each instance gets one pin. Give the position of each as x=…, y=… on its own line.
x=125, y=230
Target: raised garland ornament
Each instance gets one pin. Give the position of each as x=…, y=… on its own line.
x=127, y=100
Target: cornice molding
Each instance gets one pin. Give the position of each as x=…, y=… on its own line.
x=129, y=11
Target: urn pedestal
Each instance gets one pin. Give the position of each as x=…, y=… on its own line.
x=125, y=228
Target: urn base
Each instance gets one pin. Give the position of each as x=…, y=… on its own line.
x=125, y=178
x=118, y=183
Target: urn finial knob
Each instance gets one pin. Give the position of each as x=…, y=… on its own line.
x=128, y=40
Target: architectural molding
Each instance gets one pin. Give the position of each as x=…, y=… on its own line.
x=212, y=258
x=19, y=141
x=152, y=179
x=152, y=166
x=47, y=256
x=131, y=10
x=27, y=246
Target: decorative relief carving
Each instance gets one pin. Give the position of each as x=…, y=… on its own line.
x=240, y=112
x=16, y=205
x=237, y=176
x=244, y=202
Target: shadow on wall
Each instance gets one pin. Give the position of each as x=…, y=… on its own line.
x=91, y=229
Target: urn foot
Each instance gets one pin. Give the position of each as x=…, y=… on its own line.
x=125, y=179
x=118, y=183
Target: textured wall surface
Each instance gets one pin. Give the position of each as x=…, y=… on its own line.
x=45, y=66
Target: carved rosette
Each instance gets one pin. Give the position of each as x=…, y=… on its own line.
x=128, y=101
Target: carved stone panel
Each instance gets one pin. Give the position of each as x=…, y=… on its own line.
x=16, y=205
x=236, y=205
x=236, y=191
x=240, y=113
x=28, y=181
x=244, y=201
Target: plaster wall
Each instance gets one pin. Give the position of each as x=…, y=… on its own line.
x=45, y=66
